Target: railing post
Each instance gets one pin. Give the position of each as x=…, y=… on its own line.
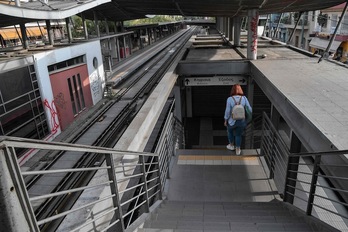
x=114, y=190
x=285, y=189
x=17, y=213
x=313, y=184
x=159, y=179
x=271, y=160
x=292, y=169
x=142, y=161
x=269, y=156
x=168, y=157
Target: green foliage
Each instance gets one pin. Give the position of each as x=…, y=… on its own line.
x=322, y=19
x=155, y=19
x=77, y=30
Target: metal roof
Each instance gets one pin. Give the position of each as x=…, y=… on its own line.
x=120, y=10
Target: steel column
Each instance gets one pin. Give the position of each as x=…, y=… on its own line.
x=25, y=43
x=50, y=32
x=68, y=28
x=84, y=24
x=225, y=26
x=17, y=213
x=107, y=27
x=96, y=24
x=230, y=29
x=124, y=46
x=236, y=33
x=118, y=49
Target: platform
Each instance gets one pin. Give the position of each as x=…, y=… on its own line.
x=212, y=54
x=317, y=94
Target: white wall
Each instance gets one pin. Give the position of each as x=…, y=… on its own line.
x=96, y=75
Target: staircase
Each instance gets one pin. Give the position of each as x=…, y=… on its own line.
x=215, y=190
x=229, y=216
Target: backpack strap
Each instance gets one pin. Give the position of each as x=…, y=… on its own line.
x=240, y=100
x=235, y=102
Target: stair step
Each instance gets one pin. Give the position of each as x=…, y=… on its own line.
x=176, y=216
x=227, y=226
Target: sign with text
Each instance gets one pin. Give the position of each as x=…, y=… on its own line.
x=212, y=81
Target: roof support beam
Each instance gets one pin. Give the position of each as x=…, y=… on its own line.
x=178, y=7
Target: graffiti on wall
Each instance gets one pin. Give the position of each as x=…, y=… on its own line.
x=54, y=116
x=96, y=86
x=254, y=23
x=60, y=101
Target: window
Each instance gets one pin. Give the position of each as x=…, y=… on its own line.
x=81, y=92
x=66, y=63
x=72, y=97
x=344, y=25
x=334, y=20
x=76, y=94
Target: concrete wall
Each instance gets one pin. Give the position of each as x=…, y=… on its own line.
x=93, y=59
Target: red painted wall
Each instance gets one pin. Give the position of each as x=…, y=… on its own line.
x=62, y=97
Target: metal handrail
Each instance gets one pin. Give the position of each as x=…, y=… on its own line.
x=250, y=132
x=151, y=174
x=309, y=182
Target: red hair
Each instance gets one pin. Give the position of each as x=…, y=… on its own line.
x=237, y=90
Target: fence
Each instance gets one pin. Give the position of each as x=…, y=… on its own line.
x=129, y=189
x=315, y=182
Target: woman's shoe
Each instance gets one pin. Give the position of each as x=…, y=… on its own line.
x=230, y=147
x=238, y=151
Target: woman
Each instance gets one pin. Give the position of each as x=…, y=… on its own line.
x=235, y=128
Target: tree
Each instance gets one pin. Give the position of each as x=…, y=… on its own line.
x=152, y=20
x=322, y=19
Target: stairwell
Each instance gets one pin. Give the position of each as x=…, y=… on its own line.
x=215, y=190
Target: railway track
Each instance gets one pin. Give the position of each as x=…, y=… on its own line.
x=104, y=130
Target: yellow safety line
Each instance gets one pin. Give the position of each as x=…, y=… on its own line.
x=215, y=157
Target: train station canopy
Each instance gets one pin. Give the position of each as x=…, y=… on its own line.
x=120, y=10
